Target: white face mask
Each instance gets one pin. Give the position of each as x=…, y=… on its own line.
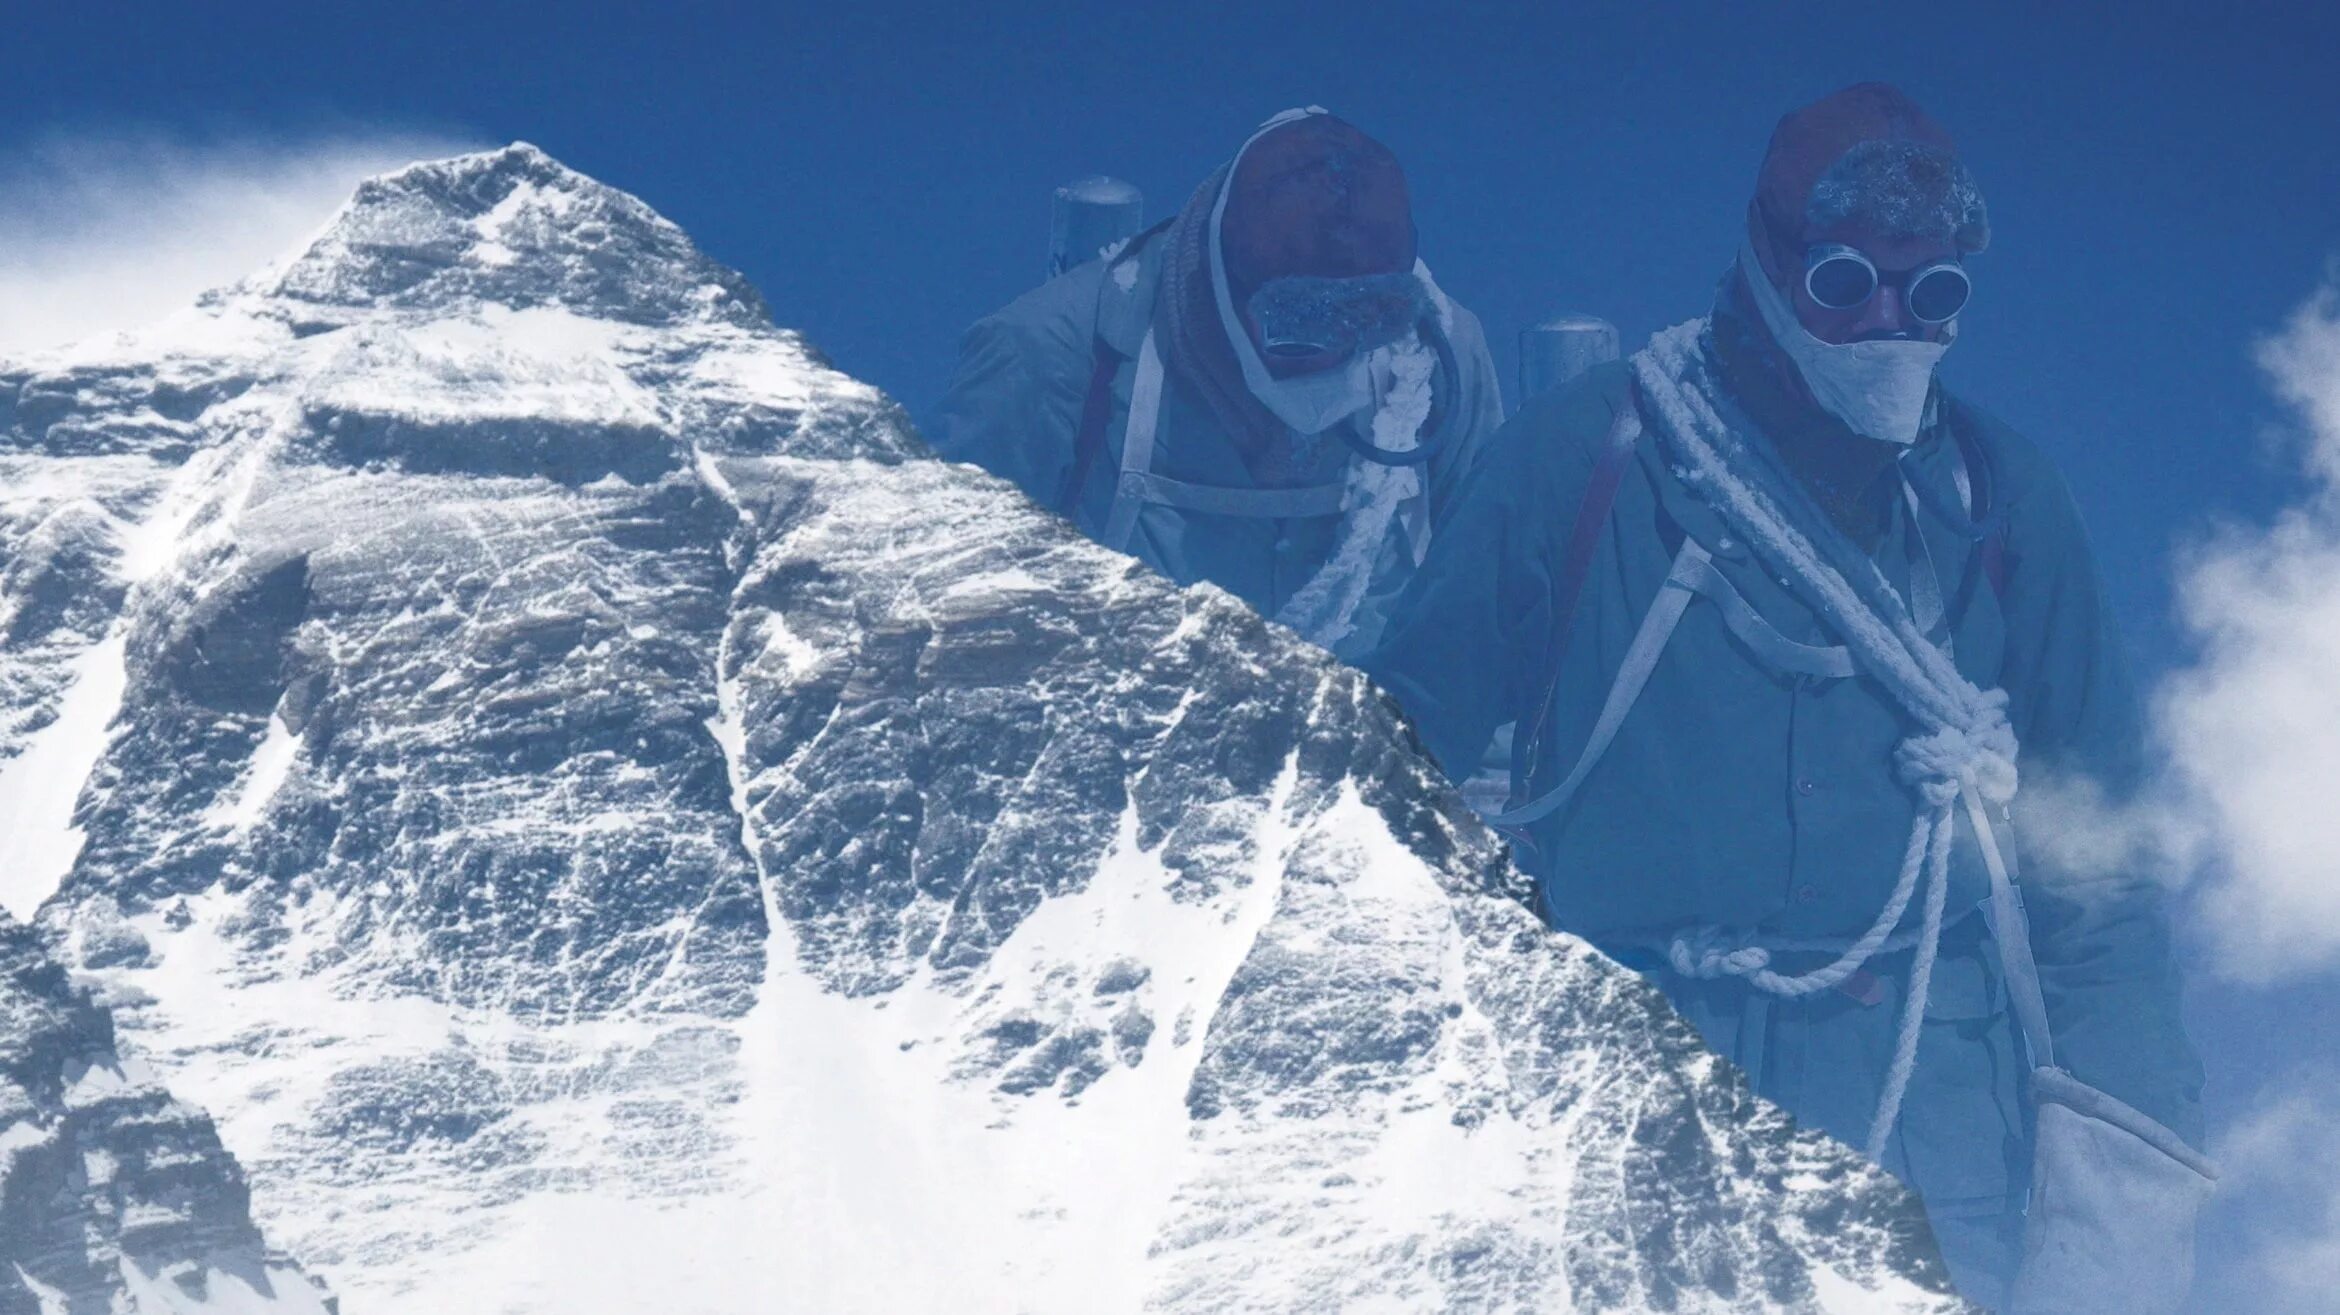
x=1878, y=389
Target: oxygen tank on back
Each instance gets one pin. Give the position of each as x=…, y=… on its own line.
x=1089, y=215
x=1555, y=352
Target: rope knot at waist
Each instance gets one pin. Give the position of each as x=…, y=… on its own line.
x=1710, y=952
x=1980, y=755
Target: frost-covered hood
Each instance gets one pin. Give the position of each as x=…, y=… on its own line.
x=608, y=827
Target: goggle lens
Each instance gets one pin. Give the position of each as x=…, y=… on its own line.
x=1840, y=278
x=1938, y=294
x=1841, y=282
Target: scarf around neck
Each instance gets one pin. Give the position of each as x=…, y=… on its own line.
x=1196, y=346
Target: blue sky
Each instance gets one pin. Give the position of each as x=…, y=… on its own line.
x=2164, y=184
x=2162, y=177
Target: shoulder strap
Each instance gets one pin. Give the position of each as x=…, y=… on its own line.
x=1089, y=439
x=1592, y=517
x=1097, y=402
x=2011, y=928
x=1137, y=446
x=1632, y=674
x=1979, y=484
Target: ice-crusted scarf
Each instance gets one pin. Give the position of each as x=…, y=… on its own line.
x=1324, y=611
x=1964, y=747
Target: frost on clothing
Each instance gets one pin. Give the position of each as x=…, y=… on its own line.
x=1867, y=157
x=1325, y=610
x=1902, y=189
x=1223, y=423
x=1307, y=313
x=1735, y=797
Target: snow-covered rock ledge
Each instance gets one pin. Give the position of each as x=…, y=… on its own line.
x=113, y=1196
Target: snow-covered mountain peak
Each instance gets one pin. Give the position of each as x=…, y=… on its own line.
x=604, y=827
x=511, y=227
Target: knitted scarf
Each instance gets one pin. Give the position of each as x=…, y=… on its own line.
x=1186, y=313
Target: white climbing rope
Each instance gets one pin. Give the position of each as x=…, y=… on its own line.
x=1966, y=745
x=1324, y=610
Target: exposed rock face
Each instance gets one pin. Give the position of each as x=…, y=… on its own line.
x=113, y=1196
x=608, y=825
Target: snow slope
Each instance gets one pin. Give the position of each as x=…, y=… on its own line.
x=614, y=826
x=113, y=1196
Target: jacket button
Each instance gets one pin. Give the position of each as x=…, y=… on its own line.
x=1807, y=894
x=1805, y=786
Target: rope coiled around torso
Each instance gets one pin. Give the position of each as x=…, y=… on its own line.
x=1964, y=742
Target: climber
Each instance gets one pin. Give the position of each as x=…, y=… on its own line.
x=1783, y=623
x=1267, y=392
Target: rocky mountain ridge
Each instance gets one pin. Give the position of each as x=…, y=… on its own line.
x=609, y=824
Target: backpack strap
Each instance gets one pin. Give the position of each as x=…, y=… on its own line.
x=1991, y=555
x=2011, y=929
x=1097, y=402
x=1632, y=674
x=1978, y=487
x=1137, y=447
x=1584, y=537
x=1089, y=439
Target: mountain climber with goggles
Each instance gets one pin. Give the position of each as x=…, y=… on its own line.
x=1787, y=629
x=1267, y=392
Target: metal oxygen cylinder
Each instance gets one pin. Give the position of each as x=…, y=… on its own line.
x=1091, y=214
x=1561, y=348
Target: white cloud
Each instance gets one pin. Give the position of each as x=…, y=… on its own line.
x=2252, y=730
x=115, y=231
x=2272, y=1242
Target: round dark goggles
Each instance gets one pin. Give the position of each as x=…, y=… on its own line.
x=1841, y=278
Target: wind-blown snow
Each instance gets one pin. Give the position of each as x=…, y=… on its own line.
x=107, y=231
